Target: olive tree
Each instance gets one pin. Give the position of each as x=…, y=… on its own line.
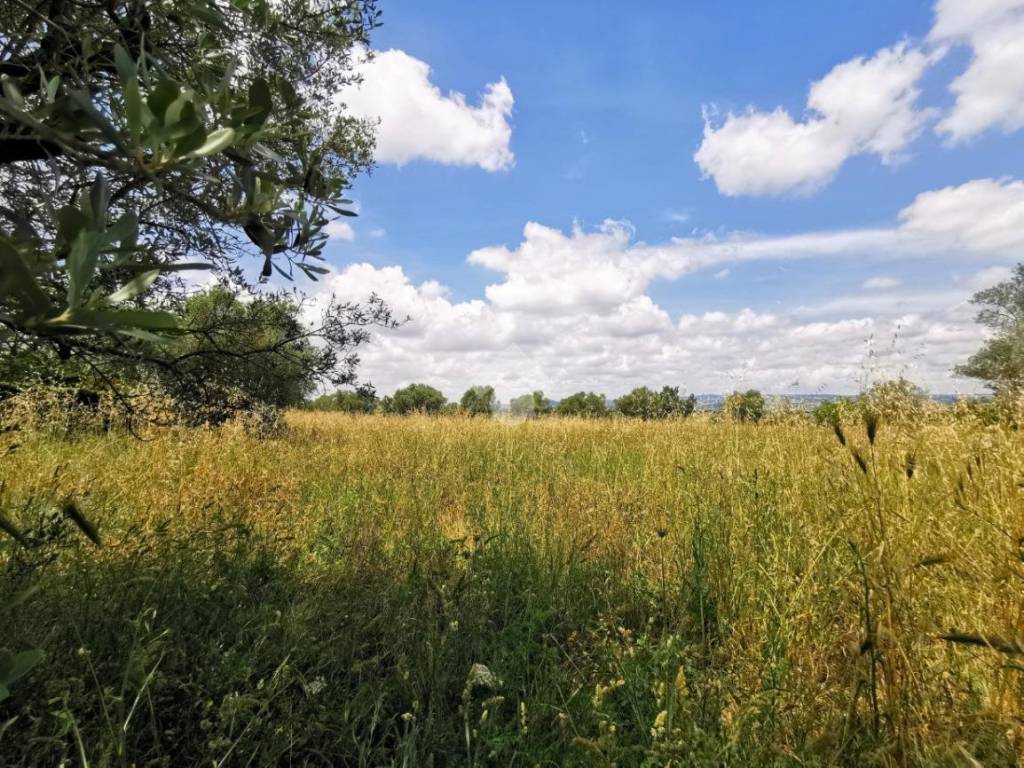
x=644, y=403
x=415, y=398
x=479, y=401
x=140, y=140
x=586, y=404
x=1000, y=361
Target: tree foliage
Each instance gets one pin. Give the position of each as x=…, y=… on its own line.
x=897, y=398
x=644, y=403
x=588, y=404
x=829, y=413
x=415, y=398
x=139, y=139
x=362, y=399
x=238, y=351
x=1000, y=361
x=479, y=401
x=746, y=406
x=531, y=404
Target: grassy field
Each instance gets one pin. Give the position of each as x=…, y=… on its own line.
x=373, y=591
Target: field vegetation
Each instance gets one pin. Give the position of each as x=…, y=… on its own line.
x=383, y=590
x=195, y=572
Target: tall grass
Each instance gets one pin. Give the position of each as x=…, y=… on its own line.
x=420, y=591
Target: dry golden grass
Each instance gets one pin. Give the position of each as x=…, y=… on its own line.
x=760, y=595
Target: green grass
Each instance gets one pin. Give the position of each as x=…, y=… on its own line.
x=374, y=591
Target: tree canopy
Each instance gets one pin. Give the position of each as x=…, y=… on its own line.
x=645, y=403
x=139, y=139
x=531, y=404
x=1000, y=361
x=582, y=404
x=237, y=351
x=479, y=401
x=745, y=406
x=362, y=399
x=415, y=398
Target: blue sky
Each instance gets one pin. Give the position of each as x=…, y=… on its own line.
x=701, y=223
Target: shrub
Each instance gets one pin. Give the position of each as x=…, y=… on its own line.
x=415, y=398
x=362, y=399
x=584, y=404
x=644, y=403
x=533, y=404
x=479, y=401
x=832, y=412
x=897, y=399
x=745, y=406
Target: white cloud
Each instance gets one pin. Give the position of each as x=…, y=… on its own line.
x=986, y=278
x=455, y=344
x=573, y=310
x=550, y=271
x=869, y=106
x=990, y=92
x=419, y=122
x=880, y=283
x=339, y=230
x=744, y=321
x=863, y=106
x=722, y=274
x=981, y=215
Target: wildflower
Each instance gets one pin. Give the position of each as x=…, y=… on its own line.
x=658, y=729
x=681, y=689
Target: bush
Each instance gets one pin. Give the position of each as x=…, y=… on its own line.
x=644, y=403
x=833, y=412
x=897, y=399
x=583, y=404
x=360, y=400
x=746, y=406
x=533, y=404
x=479, y=401
x=415, y=398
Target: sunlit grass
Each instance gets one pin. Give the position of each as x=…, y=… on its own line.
x=695, y=591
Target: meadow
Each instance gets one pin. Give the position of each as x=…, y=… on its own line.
x=377, y=591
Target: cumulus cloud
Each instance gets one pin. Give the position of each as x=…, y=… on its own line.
x=419, y=122
x=863, y=106
x=990, y=92
x=981, y=215
x=869, y=106
x=573, y=309
x=551, y=271
x=339, y=230
x=454, y=344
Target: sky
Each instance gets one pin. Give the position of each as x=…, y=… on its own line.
x=795, y=196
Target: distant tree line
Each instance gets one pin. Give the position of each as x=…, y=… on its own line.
x=641, y=403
